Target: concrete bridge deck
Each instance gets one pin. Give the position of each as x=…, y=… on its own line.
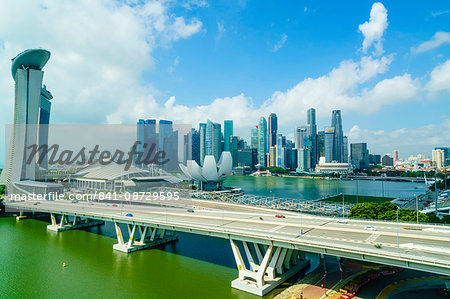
x=419, y=247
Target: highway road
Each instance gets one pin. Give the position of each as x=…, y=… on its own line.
x=422, y=247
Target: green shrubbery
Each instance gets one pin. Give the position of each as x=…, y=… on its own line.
x=388, y=211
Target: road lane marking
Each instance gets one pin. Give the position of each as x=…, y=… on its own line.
x=372, y=237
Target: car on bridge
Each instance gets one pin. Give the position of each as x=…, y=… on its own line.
x=129, y=215
x=190, y=210
x=280, y=216
x=370, y=227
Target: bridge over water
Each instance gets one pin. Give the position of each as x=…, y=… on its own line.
x=268, y=250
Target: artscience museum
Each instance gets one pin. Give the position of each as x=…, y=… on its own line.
x=211, y=176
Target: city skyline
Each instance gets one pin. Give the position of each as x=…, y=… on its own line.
x=394, y=99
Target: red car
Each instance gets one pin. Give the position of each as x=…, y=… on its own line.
x=114, y=205
x=280, y=216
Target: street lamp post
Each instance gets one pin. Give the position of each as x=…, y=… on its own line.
x=357, y=192
x=417, y=208
x=435, y=192
x=398, y=243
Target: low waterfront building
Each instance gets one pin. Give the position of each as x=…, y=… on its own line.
x=333, y=167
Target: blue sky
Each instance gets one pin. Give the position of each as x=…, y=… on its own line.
x=115, y=61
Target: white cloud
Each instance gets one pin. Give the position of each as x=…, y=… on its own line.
x=438, y=13
x=174, y=65
x=373, y=29
x=193, y=4
x=280, y=43
x=99, y=51
x=220, y=30
x=410, y=141
x=440, y=78
x=438, y=39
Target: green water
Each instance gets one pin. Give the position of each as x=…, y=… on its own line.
x=194, y=267
x=305, y=188
x=31, y=265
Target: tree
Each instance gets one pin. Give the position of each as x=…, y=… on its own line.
x=432, y=218
x=365, y=210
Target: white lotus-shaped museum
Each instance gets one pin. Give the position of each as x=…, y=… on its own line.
x=210, y=172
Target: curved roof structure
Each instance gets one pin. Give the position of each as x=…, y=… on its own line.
x=210, y=172
x=31, y=58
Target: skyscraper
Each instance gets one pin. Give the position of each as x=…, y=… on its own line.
x=273, y=127
x=345, y=152
x=196, y=146
x=202, y=133
x=321, y=143
x=329, y=144
x=146, y=136
x=303, y=159
x=299, y=137
x=311, y=117
x=446, y=154
x=338, y=146
x=213, y=139
x=395, y=155
x=262, y=141
x=438, y=158
x=31, y=116
x=359, y=155
x=227, y=133
x=168, y=142
x=280, y=150
x=254, y=138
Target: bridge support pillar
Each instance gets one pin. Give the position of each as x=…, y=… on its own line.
x=64, y=223
x=269, y=266
x=148, y=237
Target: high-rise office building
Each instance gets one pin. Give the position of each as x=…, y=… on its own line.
x=329, y=144
x=168, y=142
x=387, y=161
x=202, y=133
x=213, y=139
x=374, y=159
x=338, y=145
x=291, y=158
x=31, y=117
x=446, y=154
x=359, y=155
x=262, y=141
x=280, y=150
x=254, y=138
x=300, y=135
x=345, y=152
x=395, y=156
x=273, y=128
x=272, y=160
x=227, y=133
x=196, y=146
x=311, y=118
x=303, y=159
x=438, y=158
x=147, y=140
x=321, y=143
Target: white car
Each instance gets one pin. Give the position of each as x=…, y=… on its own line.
x=369, y=227
x=341, y=220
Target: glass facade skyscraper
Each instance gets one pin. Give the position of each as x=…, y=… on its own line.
x=273, y=128
x=227, y=133
x=202, y=144
x=329, y=144
x=338, y=145
x=311, y=117
x=262, y=141
x=213, y=139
